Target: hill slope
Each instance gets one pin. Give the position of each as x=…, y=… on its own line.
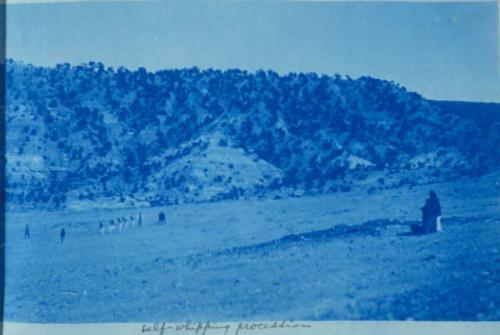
x=81, y=133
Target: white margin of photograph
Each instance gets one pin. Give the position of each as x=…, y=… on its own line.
x=316, y=328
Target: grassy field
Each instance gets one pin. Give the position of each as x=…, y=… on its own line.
x=332, y=257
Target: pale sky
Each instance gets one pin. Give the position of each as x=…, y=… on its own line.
x=445, y=51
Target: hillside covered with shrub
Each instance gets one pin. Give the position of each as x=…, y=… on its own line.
x=88, y=132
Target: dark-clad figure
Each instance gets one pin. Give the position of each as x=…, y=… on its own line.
x=431, y=216
x=27, y=232
x=431, y=213
x=62, y=235
x=161, y=218
x=139, y=219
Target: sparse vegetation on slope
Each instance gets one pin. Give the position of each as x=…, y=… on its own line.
x=87, y=132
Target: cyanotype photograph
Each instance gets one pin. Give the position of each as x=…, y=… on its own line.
x=251, y=167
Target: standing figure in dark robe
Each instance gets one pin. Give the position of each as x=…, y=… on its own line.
x=431, y=213
x=62, y=235
x=27, y=234
x=161, y=218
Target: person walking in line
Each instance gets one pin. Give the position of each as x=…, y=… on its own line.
x=27, y=234
x=101, y=228
x=62, y=235
x=139, y=219
x=121, y=225
x=111, y=226
x=131, y=222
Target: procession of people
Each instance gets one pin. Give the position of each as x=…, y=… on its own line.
x=115, y=225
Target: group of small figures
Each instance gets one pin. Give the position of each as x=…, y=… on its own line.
x=120, y=224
